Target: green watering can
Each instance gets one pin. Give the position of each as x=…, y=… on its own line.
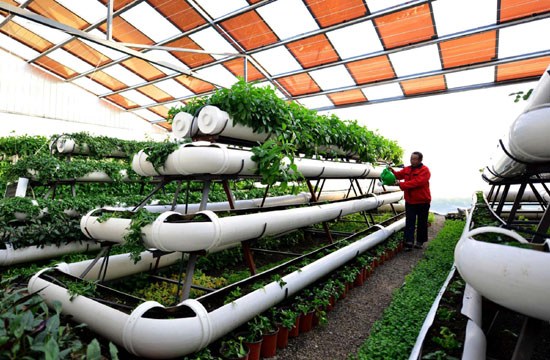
x=387, y=177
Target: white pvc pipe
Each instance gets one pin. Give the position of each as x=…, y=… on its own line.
x=22, y=185
x=200, y=157
x=283, y=200
x=475, y=342
x=66, y=145
x=213, y=121
x=172, y=337
x=513, y=277
x=11, y=256
x=120, y=265
x=527, y=140
x=184, y=125
x=528, y=195
x=217, y=159
x=214, y=232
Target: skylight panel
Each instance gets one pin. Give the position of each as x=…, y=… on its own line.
x=124, y=75
x=14, y=46
x=377, y=5
x=484, y=75
x=150, y=22
x=90, y=10
x=512, y=39
x=385, y=91
x=316, y=102
x=217, y=8
x=453, y=16
x=347, y=44
x=173, y=88
x=147, y=115
x=210, y=40
x=137, y=97
x=277, y=60
x=165, y=56
x=416, y=61
x=91, y=86
x=48, y=33
x=332, y=77
x=218, y=75
x=288, y=18
x=69, y=60
x=110, y=53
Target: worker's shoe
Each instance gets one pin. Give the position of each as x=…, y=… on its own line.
x=418, y=246
x=408, y=246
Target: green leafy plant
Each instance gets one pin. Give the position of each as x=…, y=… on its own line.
x=233, y=295
x=29, y=330
x=447, y=339
x=279, y=279
x=81, y=287
x=286, y=317
x=233, y=348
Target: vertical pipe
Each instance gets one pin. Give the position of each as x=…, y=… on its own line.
x=110, y=20
x=22, y=185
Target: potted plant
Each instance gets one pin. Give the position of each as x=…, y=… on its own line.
x=269, y=337
x=286, y=320
x=253, y=336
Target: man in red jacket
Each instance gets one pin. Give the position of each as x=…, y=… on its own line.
x=416, y=186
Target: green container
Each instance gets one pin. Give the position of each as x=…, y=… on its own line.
x=387, y=177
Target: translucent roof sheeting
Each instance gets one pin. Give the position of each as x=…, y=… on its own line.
x=147, y=56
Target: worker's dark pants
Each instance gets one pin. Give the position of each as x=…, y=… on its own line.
x=416, y=215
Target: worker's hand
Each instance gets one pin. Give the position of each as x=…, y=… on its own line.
x=396, y=183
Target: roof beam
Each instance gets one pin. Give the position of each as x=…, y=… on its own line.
x=109, y=44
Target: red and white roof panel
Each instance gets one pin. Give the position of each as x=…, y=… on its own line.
x=321, y=53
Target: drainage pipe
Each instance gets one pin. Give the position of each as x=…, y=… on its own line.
x=170, y=336
x=203, y=157
x=171, y=232
x=527, y=140
x=513, y=277
x=10, y=256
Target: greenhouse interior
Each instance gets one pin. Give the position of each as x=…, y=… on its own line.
x=245, y=179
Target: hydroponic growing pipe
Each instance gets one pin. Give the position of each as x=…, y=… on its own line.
x=212, y=121
x=10, y=256
x=183, y=332
x=172, y=232
x=513, y=277
x=203, y=157
x=527, y=140
x=64, y=144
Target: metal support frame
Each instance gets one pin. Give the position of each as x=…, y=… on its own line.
x=189, y=272
x=104, y=253
x=248, y=257
x=314, y=199
x=516, y=204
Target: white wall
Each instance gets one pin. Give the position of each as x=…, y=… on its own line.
x=34, y=102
